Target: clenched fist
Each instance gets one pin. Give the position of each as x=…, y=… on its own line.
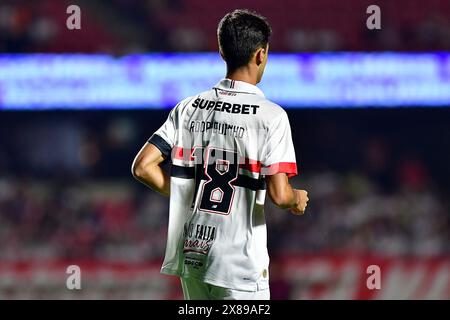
x=301, y=197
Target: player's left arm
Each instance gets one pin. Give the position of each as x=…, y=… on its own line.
x=146, y=168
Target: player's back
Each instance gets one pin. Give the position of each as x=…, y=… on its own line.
x=223, y=141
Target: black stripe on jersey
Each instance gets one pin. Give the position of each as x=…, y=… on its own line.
x=182, y=172
x=241, y=181
x=161, y=144
x=250, y=183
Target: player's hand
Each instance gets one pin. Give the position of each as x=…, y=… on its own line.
x=302, y=199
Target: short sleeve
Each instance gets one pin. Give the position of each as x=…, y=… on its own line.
x=279, y=155
x=164, y=137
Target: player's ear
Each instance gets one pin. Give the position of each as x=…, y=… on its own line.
x=261, y=55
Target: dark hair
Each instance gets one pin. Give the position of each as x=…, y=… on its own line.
x=240, y=34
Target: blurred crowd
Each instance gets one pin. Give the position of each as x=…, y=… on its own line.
x=82, y=220
x=348, y=214
x=130, y=26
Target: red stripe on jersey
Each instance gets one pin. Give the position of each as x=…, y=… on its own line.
x=290, y=168
x=250, y=165
x=177, y=152
x=281, y=167
x=182, y=153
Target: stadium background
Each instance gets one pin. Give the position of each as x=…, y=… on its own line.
x=378, y=178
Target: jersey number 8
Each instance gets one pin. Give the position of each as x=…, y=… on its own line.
x=219, y=170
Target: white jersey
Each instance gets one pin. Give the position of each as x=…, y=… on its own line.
x=222, y=143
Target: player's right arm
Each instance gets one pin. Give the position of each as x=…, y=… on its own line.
x=146, y=168
x=284, y=196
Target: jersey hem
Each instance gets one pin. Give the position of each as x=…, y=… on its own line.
x=248, y=288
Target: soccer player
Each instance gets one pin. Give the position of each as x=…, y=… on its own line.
x=228, y=147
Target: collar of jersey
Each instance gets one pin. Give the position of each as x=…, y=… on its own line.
x=238, y=86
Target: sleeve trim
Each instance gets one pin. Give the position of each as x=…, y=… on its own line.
x=290, y=168
x=161, y=144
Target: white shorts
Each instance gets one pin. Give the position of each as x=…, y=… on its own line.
x=198, y=290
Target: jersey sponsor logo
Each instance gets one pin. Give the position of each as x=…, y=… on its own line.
x=198, y=238
x=193, y=262
x=227, y=107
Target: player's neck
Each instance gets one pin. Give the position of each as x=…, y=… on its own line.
x=245, y=74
